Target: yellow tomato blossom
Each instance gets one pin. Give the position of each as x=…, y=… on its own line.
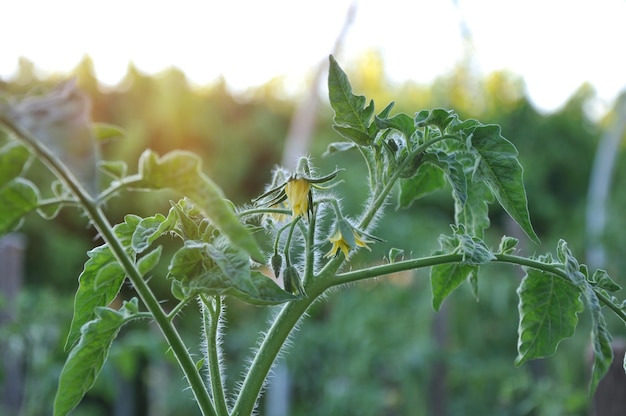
x=295, y=189
x=298, y=191
x=340, y=243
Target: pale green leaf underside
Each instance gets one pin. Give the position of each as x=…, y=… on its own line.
x=499, y=168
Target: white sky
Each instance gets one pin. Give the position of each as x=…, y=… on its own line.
x=555, y=45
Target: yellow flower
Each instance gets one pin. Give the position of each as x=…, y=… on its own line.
x=340, y=243
x=298, y=191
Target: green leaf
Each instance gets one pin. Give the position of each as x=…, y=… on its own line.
x=99, y=283
x=429, y=178
x=97, y=288
x=499, y=168
x=438, y=117
x=180, y=171
x=338, y=147
x=151, y=228
x=455, y=173
x=474, y=250
x=507, y=245
x=190, y=261
x=189, y=220
x=116, y=169
x=147, y=262
x=200, y=267
x=352, y=118
x=13, y=159
x=88, y=356
x=600, y=339
x=104, y=131
x=548, y=309
x=110, y=272
x=602, y=280
x=462, y=129
x=234, y=264
x=51, y=210
x=444, y=278
x=474, y=213
x=401, y=122
x=395, y=254
x=571, y=265
x=269, y=293
x=17, y=198
x=356, y=135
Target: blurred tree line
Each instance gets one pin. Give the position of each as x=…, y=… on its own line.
x=370, y=349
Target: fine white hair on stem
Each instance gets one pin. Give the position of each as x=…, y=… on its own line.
x=279, y=356
x=220, y=325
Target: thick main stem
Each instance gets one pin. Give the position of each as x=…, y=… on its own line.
x=103, y=226
x=274, y=340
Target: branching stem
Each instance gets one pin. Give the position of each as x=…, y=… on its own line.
x=102, y=225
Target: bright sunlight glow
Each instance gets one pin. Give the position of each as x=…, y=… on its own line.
x=556, y=45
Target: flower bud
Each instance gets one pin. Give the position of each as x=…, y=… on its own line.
x=292, y=282
x=276, y=262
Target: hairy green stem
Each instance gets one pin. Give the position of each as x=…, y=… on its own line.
x=272, y=343
x=376, y=271
x=102, y=225
x=292, y=312
x=211, y=315
x=379, y=197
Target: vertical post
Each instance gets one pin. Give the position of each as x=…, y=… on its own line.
x=11, y=271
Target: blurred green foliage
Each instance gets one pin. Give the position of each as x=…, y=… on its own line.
x=370, y=349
